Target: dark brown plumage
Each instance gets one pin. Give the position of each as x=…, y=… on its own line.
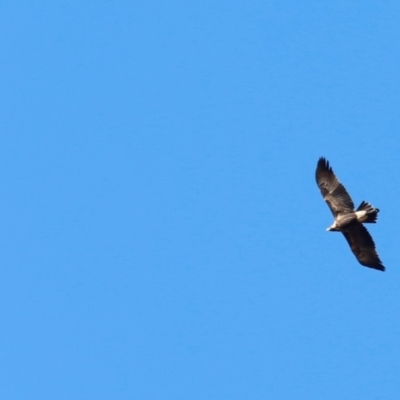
x=348, y=220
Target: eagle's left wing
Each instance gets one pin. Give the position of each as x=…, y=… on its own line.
x=333, y=192
x=362, y=246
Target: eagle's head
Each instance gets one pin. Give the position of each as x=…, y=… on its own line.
x=333, y=228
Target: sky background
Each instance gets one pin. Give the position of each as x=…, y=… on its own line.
x=162, y=235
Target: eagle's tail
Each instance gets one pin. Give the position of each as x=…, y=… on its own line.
x=371, y=213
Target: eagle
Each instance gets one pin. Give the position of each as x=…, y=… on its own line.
x=348, y=220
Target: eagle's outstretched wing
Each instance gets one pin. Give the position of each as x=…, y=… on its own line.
x=363, y=246
x=333, y=192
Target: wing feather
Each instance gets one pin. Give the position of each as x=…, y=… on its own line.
x=333, y=192
x=363, y=246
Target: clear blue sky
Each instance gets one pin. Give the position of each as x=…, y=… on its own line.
x=162, y=233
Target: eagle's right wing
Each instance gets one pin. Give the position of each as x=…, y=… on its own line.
x=333, y=192
x=363, y=246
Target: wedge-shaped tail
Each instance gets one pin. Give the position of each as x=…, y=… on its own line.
x=367, y=213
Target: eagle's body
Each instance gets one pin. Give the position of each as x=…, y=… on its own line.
x=348, y=220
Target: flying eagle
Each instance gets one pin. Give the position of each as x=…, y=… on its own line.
x=347, y=220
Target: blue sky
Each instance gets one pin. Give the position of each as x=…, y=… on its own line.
x=162, y=233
